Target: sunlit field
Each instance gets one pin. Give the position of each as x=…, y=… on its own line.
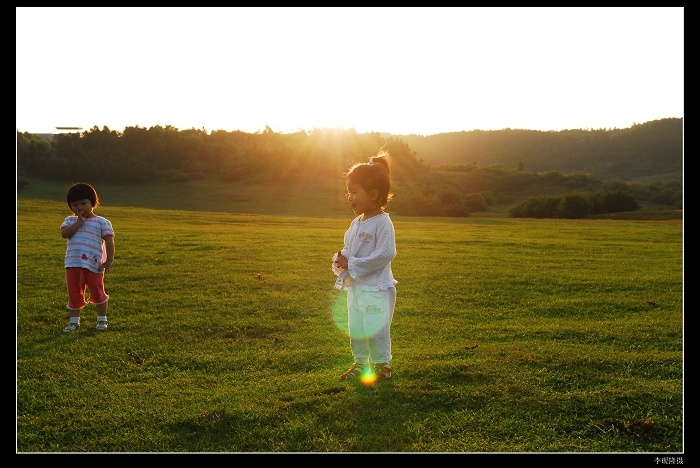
x=226, y=335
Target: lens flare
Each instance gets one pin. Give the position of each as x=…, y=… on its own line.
x=368, y=377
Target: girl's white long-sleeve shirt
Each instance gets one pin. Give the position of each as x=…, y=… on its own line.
x=370, y=246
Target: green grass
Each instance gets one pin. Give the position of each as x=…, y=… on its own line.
x=290, y=197
x=226, y=335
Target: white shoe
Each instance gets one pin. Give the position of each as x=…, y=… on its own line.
x=71, y=327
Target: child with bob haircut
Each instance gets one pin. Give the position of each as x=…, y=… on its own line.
x=363, y=267
x=89, y=254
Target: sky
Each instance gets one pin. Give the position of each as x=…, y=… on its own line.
x=399, y=70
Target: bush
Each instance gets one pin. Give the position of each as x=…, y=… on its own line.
x=573, y=206
x=613, y=202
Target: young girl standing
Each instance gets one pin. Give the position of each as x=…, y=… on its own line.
x=363, y=267
x=89, y=254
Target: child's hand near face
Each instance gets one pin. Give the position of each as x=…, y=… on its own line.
x=80, y=214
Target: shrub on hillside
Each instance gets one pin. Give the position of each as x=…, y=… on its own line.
x=576, y=205
x=573, y=206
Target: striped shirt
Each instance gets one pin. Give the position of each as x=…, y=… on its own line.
x=86, y=248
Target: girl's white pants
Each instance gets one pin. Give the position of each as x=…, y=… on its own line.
x=369, y=323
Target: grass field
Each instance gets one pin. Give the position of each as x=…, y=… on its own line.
x=226, y=336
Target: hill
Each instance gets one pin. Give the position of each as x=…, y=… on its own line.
x=647, y=152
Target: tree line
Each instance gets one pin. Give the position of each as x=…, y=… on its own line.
x=137, y=155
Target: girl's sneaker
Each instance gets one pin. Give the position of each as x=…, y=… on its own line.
x=101, y=324
x=71, y=327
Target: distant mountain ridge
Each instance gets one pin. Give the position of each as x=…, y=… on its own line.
x=653, y=149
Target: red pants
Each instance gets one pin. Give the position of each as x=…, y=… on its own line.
x=77, y=279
